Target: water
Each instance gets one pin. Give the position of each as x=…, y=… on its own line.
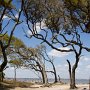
x=78, y=81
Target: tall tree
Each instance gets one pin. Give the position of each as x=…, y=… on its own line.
x=43, y=52
x=9, y=12
x=36, y=62
x=61, y=25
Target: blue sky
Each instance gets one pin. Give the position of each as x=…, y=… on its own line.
x=60, y=58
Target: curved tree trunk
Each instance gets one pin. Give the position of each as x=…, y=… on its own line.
x=44, y=76
x=55, y=78
x=69, y=64
x=3, y=65
x=43, y=73
x=55, y=74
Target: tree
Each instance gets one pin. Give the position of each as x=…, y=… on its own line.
x=79, y=12
x=36, y=62
x=46, y=57
x=6, y=3
x=63, y=25
x=16, y=64
x=8, y=12
x=2, y=76
x=11, y=52
x=30, y=57
x=54, y=70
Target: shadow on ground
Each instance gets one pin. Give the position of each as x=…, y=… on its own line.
x=5, y=87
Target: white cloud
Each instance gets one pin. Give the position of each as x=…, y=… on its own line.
x=56, y=53
x=85, y=58
x=80, y=64
x=16, y=16
x=38, y=27
x=88, y=66
x=29, y=32
x=5, y=17
x=66, y=65
x=59, y=66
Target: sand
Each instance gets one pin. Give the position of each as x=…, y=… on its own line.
x=55, y=87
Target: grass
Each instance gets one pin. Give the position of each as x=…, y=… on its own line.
x=11, y=84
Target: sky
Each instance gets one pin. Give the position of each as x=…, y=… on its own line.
x=82, y=72
x=60, y=59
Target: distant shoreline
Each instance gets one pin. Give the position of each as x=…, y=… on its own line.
x=50, y=80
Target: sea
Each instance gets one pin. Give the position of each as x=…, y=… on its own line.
x=50, y=80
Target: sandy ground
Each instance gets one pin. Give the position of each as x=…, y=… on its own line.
x=55, y=87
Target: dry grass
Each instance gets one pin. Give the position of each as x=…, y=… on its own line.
x=11, y=83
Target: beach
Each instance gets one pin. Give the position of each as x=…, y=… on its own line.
x=54, y=87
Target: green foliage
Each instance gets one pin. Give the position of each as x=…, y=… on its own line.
x=15, y=63
x=76, y=2
x=50, y=11
x=6, y=3
x=15, y=45
x=15, y=42
x=34, y=10
x=18, y=43
x=79, y=11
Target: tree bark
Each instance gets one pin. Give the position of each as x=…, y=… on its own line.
x=44, y=76
x=55, y=74
x=73, y=84
x=14, y=74
x=69, y=64
x=72, y=74
x=43, y=72
x=3, y=65
x=2, y=76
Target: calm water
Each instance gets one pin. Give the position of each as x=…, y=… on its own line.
x=78, y=81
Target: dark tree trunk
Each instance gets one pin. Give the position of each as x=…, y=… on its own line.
x=69, y=64
x=59, y=78
x=4, y=63
x=14, y=74
x=55, y=74
x=72, y=84
x=44, y=76
x=72, y=73
x=43, y=73
x=2, y=76
x=55, y=78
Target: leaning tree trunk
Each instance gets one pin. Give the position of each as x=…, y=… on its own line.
x=3, y=65
x=43, y=73
x=69, y=64
x=2, y=76
x=44, y=76
x=55, y=74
